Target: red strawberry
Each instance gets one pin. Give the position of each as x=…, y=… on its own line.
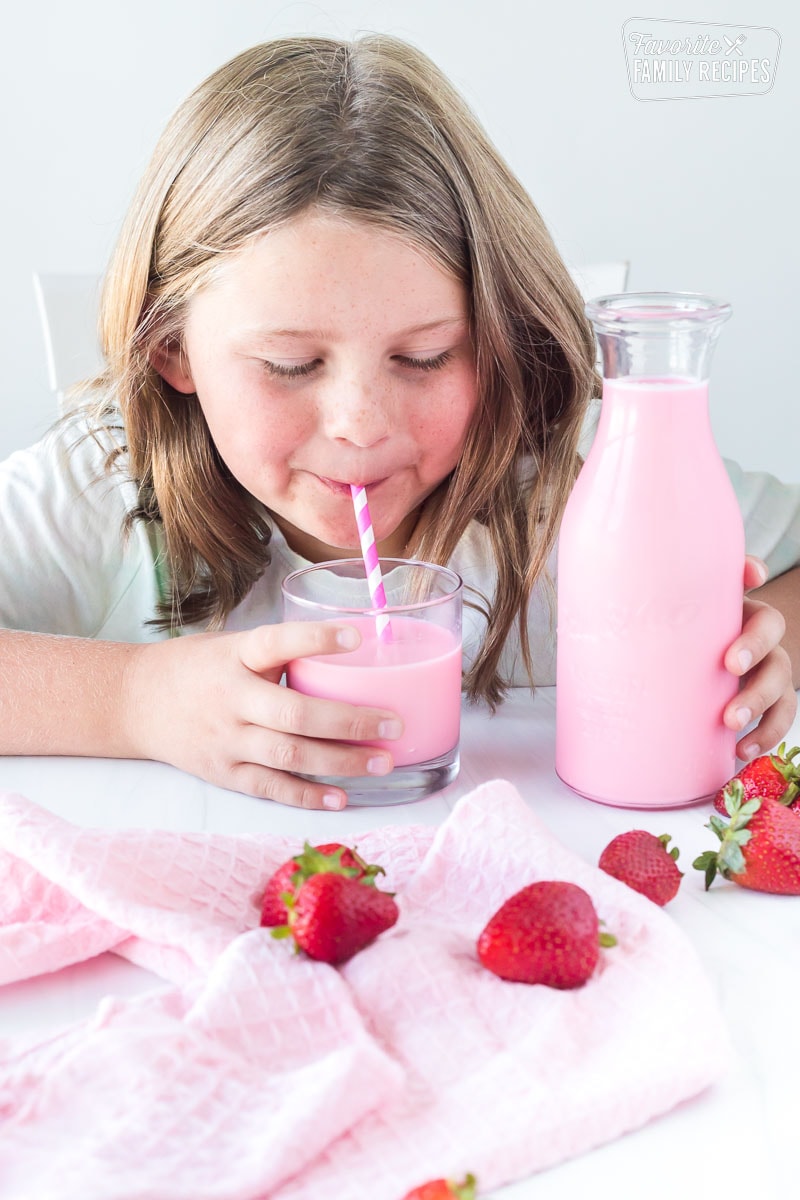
x=333, y=916
x=770, y=776
x=642, y=860
x=760, y=845
x=444, y=1189
x=547, y=933
x=332, y=856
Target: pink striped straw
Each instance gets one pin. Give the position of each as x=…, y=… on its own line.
x=369, y=552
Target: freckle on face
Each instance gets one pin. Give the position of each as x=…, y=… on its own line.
x=363, y=414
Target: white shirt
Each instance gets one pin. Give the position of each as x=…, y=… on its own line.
x=65, y=568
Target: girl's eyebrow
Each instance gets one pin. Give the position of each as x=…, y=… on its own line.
x=327, y=335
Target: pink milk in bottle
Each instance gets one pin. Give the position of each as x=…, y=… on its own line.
x=650, y=569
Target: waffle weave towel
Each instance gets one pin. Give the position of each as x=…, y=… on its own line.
x=257, y=1073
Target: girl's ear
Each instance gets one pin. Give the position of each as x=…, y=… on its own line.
x=172, y=365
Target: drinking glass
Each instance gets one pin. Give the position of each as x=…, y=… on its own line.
x=409, y=661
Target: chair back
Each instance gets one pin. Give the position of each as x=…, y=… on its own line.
x=68, y=305
x=68, y=311
x=600, y=279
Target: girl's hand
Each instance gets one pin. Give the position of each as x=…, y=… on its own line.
x=767, y=692
x=212, y=704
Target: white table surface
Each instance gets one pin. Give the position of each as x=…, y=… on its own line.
x=738, y=1139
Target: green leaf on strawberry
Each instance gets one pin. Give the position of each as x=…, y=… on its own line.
x=759, y=845
x=332, y=857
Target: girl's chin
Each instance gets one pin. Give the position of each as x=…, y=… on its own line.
x=320, y=545
x=339, y=540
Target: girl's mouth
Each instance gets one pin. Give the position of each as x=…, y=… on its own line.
x=343, y=489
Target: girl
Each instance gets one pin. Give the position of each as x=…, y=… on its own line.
x=327, y=275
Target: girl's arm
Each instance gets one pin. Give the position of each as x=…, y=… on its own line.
x=63, y=695
x=209, y=703
x=783, y=593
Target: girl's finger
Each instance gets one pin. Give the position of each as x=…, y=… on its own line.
x=307, y=756
x=755, y=571
x=269, y=646
x=762, y=631
x=268, y=706
x=771, y=729
x=267, y=784
x=764, y=688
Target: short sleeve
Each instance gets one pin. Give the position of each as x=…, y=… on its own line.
x=65, y=566
x=771, y=514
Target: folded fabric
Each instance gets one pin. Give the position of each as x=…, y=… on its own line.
x=262, y=1074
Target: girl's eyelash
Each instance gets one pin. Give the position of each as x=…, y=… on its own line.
x=291, y=372
x=426, y=364
x=300, y=369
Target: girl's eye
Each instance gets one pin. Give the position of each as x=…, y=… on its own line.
x=292, y=372
x=425, y=364
x=300, y=369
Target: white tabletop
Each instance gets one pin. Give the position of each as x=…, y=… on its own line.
x=738, y=1138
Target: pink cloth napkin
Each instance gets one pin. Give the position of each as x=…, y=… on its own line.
x=258, y=1073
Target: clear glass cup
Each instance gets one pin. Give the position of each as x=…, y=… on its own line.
x=409, y=662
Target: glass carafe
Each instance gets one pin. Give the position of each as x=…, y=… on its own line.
x=650, y=568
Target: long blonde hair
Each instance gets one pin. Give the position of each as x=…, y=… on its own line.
x=370, y=129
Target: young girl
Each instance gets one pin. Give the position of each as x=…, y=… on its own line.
x=328, y=275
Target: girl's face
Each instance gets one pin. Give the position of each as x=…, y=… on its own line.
x=331, y=352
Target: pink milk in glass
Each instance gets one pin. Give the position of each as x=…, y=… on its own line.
x=417, y=675
x=408, y=662
x=650, y=590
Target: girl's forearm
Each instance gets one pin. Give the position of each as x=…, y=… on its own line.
x=64, y=695
x=783, y=593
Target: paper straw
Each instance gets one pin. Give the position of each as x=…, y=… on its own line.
x=369, y=552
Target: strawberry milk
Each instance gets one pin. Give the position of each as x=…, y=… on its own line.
x=650, y=589
x=417, y=675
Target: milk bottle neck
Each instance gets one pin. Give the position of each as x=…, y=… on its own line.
x=650, y=430
x=657, y=335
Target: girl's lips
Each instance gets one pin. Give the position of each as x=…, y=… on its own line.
x=343, y=489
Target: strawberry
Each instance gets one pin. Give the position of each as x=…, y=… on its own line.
x=760, y=844
x=546, y=933
x=333, y=916
x=643, y=861
x=770, y=776
x=444, y=1189
x=333, y=856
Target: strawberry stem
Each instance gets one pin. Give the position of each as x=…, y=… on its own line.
x=733, y=835
x=785, y=765
x=464, y=1190
x=665, y=839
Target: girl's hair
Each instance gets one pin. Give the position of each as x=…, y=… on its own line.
x=370, y=130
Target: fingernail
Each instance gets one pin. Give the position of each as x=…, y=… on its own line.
x=751, y=750
x=390, y=729
x=333, y=800
x=745, y=659
x=744, y=716
x=379, y=765
x=347, y=638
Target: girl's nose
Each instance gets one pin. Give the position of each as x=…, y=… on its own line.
x=357, y=413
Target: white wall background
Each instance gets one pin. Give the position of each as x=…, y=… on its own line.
x=700, y=195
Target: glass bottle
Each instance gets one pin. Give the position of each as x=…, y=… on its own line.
x=650, y=568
